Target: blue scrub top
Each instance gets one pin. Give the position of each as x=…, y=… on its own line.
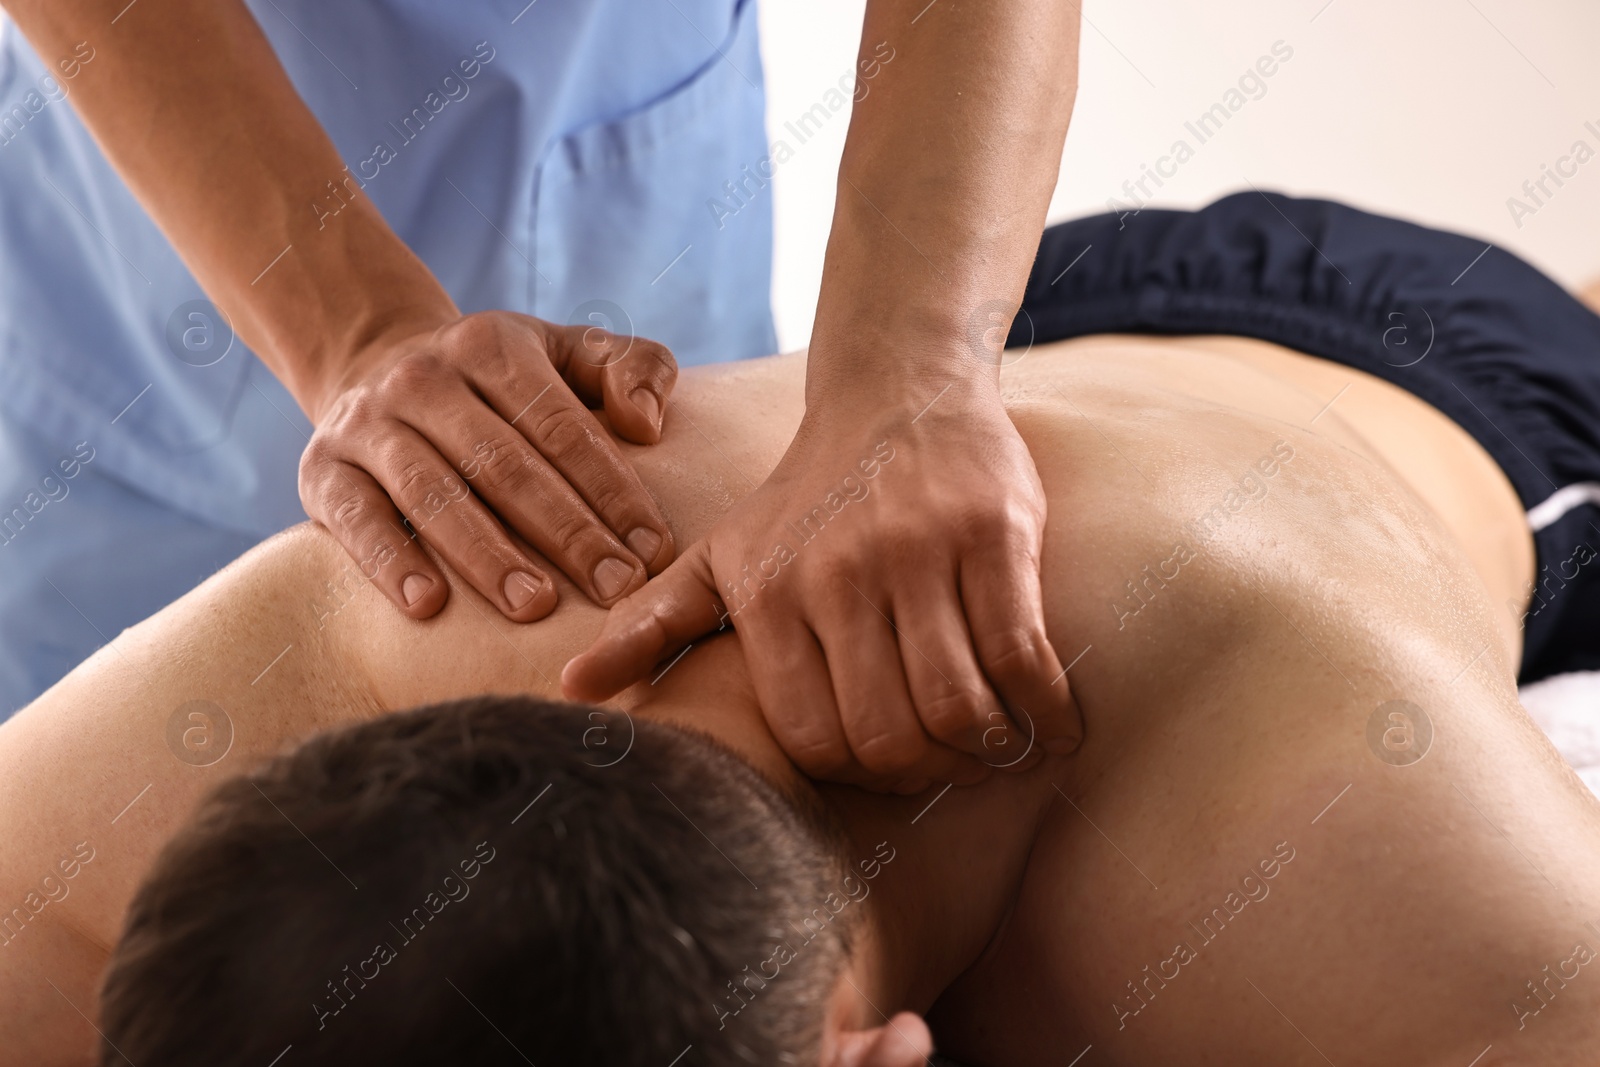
x=569, y=159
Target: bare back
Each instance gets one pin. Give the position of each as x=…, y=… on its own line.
x=1239, y=576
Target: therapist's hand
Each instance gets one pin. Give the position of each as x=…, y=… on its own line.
x=889, y=649
x=474, y=428
x=478, y=432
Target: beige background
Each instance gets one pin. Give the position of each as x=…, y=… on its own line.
x=1437, y=110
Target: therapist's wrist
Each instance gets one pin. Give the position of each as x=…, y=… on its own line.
x=891, y=317
x=372, y=342
x=867, y=375
x=349, y=295
x=900, y=356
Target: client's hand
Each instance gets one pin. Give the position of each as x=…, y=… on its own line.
x=882, y=580
x=480, y=425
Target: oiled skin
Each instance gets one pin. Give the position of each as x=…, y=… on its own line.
x=1221, y=720
x=1414, y=909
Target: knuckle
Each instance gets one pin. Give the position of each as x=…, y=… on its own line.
x=359, y=408
x=350, y=410
x=1008, y=651
x=563, y=431
x=657, y=353
x=608, y=495
x=349, y=514
x=316, y=458
x=1024, y=517
x=904, y=541
x=999, y=521
x=415, y=478
x=955, y=714
x=602, y=344
x=474, y=332
x=973, y=524
x=987, y=523
x=497, y=346
x=500, y=367
x=835, y=571
x=569, y=531
x=889, y=753
x=480, y=557
x=819, y=755
x=1004, y=737
x=506, y=468
x=484, y=556
x=413, y=373
x=593, y=345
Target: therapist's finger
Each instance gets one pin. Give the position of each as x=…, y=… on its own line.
x=659, y=620
x=869, y=685
x=630, y=377
x=789, y=671
x=542, y=504
x=581, y=530
x=444, y=513
x=1004, y=599
x=355, y=509
x=952, y=697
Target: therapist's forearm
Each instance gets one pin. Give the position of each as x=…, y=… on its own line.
x=191, y=106
x=947, y=173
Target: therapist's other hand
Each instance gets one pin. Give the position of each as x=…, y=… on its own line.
x=481, y=426
x=888, y=649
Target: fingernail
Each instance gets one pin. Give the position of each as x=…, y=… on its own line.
x=647, y=402
x=414, y=587
x=519, y=588
x=645, y=543
x=611, y=576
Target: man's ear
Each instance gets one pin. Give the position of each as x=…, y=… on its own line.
x=904, y=1041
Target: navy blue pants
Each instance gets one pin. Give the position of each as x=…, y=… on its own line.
x=1476, y=332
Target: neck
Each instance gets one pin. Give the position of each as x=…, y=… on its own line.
x=940, y=869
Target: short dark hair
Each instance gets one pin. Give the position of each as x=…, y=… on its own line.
x=471, y=882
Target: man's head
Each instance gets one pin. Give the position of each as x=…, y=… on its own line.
x=473, y=883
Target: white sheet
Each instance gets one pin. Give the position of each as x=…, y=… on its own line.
x=1567, y=708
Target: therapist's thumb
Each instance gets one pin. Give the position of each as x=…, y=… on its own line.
x=629, y=377
x=675, y=607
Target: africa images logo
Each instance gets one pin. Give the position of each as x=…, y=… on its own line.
x=1399, y=732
